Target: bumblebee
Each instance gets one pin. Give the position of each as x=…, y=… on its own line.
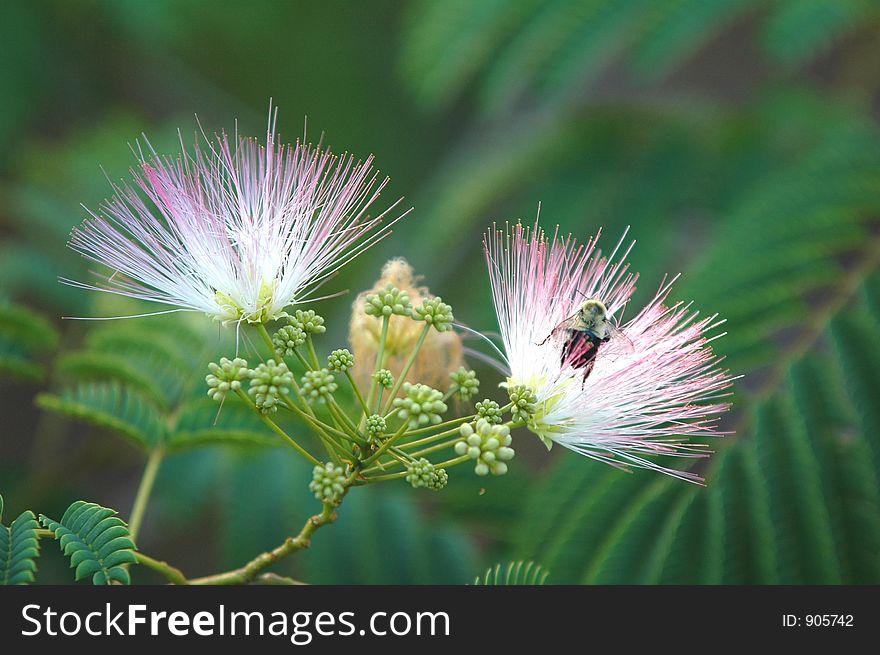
x=587, y=332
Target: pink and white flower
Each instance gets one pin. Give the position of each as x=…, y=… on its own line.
x=636, y=402
x=238, y=230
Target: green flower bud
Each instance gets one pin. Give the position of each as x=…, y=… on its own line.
x=387, y=301
x=435, y=312
x=269, y=381
x=490, y=411
x=524, y=402
x=383, y=376
x=488, y=444
x=422, y=405
x=375, y=427
x=226, y=376
x=308, y=321
x=327, y=482
x=423, y=474
x=340, y=360
x=465, y=383
x=318, y=386
x=287, y=339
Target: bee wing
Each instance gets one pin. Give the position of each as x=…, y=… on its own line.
x=618, y=345
x=566, y=323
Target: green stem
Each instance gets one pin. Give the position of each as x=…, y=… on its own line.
x=412, y=358
x=322, y=429
x=435, y=448
x=303, y=540
x=250, y=570
x=144, y=490
x=380, y=357
x=451, y=422
x=275, y=579
x=380, y=466
x=277, y=429
x=347, y=423
x=389, y=476
x=455, y=461
x=302, y=360
x=312, y=352
x=170, y=573
x=267, y=339
x=264, y=334
x=378, y=404
x=357, y=392
x=386, y=445
x=315, y=422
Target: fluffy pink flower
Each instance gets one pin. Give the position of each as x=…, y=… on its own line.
x=236, y=230
x=648, y=391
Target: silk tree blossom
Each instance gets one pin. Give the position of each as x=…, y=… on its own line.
x=636, y=402
x=235, y=229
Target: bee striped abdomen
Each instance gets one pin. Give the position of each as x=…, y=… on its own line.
x=579, y=350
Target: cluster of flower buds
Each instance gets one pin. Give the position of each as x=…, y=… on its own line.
x=328, y=482
x=308, y=321
x=383, y=377
x=269, y=382
x=318, y=386
x=387, y=301
x=487, y=441
x=287, y=339
x=340, y=360
x=424, y=474
x=465, y=383
x=422, y=405
x=523, y=403
x=488, y=444
x=490, y=411
x=435, y=312
x=226, y=376
x=375, y=426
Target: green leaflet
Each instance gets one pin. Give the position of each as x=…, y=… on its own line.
x=117, y=407
x=19, y=549
x=124, y=367
x=203, y=422
x=796, y=31
x=514, y=573
x=545, y=49
x=25, y=339
x=96, y=541
x=147, y=385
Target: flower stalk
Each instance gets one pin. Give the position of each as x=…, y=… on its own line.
x=145, y=488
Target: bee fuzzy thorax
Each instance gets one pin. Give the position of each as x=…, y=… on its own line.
x=593, y=315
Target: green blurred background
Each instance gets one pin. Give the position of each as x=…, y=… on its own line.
x=738, y=138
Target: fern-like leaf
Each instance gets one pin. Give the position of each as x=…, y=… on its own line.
x=25, y=337
x=202, y=422
x=26, y=327
x=19, y=549
x=96, y=541
x=16, y=363
x=117, y=407
x=515, y=573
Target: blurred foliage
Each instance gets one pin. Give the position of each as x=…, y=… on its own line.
x=738, y=138
x=514, y=573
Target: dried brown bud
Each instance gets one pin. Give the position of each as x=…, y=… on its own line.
x=441, y=352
